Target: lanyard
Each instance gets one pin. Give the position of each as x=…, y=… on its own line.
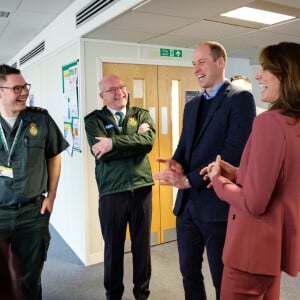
x=10, y=151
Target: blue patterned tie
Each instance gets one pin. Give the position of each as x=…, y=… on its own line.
x=119, y=115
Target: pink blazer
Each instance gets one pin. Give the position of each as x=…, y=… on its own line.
x=263, y=233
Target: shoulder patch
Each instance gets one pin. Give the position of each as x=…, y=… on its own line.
x=135, y=108
x=38, y=109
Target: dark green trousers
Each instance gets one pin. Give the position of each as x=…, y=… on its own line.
x=26, y=233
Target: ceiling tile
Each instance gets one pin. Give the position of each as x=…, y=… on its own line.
x=148, y=22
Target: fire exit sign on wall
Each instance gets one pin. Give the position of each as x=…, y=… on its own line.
x=170, y=52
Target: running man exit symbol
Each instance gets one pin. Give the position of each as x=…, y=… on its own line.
x=170, y=52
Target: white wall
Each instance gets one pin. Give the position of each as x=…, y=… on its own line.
x=238, y=66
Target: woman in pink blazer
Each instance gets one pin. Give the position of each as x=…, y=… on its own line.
x=263, y=233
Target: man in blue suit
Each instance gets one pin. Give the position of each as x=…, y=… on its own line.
x=216, y=122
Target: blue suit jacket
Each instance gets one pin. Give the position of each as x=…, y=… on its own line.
x=225, y=131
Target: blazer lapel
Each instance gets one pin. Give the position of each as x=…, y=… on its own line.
x=214, y=106
x=193, y=122
x=191, y=131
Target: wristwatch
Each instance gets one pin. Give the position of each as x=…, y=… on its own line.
x=187, y=182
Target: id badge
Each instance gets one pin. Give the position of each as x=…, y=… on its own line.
x=6, y=172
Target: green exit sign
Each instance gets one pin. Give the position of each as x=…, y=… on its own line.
x=170, y=52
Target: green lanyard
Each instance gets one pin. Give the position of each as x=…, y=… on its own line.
x=10, y=151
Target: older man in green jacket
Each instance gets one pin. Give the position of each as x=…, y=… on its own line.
x=120, y=139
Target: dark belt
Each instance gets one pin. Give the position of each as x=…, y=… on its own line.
x=25, y=203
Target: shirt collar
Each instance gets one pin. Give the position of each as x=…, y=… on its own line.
x=213, y=92
x=114, y=111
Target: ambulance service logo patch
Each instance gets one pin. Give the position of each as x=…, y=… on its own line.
x=132, y=121
x=33, y=130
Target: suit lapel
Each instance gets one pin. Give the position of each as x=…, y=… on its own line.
x=192, y=115
x=193, y=122
x=217, y=101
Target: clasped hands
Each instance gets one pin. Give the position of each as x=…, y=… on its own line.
x=219, y=167
x=105, y=144
x=174, y=175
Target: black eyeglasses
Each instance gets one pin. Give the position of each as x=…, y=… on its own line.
x=18, y=88
x=114, y=89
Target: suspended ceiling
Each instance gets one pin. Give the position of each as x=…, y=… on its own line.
x=171, y=23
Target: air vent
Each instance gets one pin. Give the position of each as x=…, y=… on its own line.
x=4, y=14
x=14, y=65
x=92, y=9
x=34, y=52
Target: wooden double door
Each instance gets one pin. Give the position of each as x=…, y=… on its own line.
x=163, y=91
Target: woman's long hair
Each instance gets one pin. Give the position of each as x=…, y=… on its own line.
x=283, y=60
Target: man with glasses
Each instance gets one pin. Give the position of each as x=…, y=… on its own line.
x=120, y=139
x=30, y=147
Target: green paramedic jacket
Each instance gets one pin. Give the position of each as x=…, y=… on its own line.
x=38, y=138
x=126, y=167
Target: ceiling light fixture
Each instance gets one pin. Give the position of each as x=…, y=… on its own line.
x=257, y=15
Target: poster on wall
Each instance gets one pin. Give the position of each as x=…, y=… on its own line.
x=189, y=95
x=70, y=84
